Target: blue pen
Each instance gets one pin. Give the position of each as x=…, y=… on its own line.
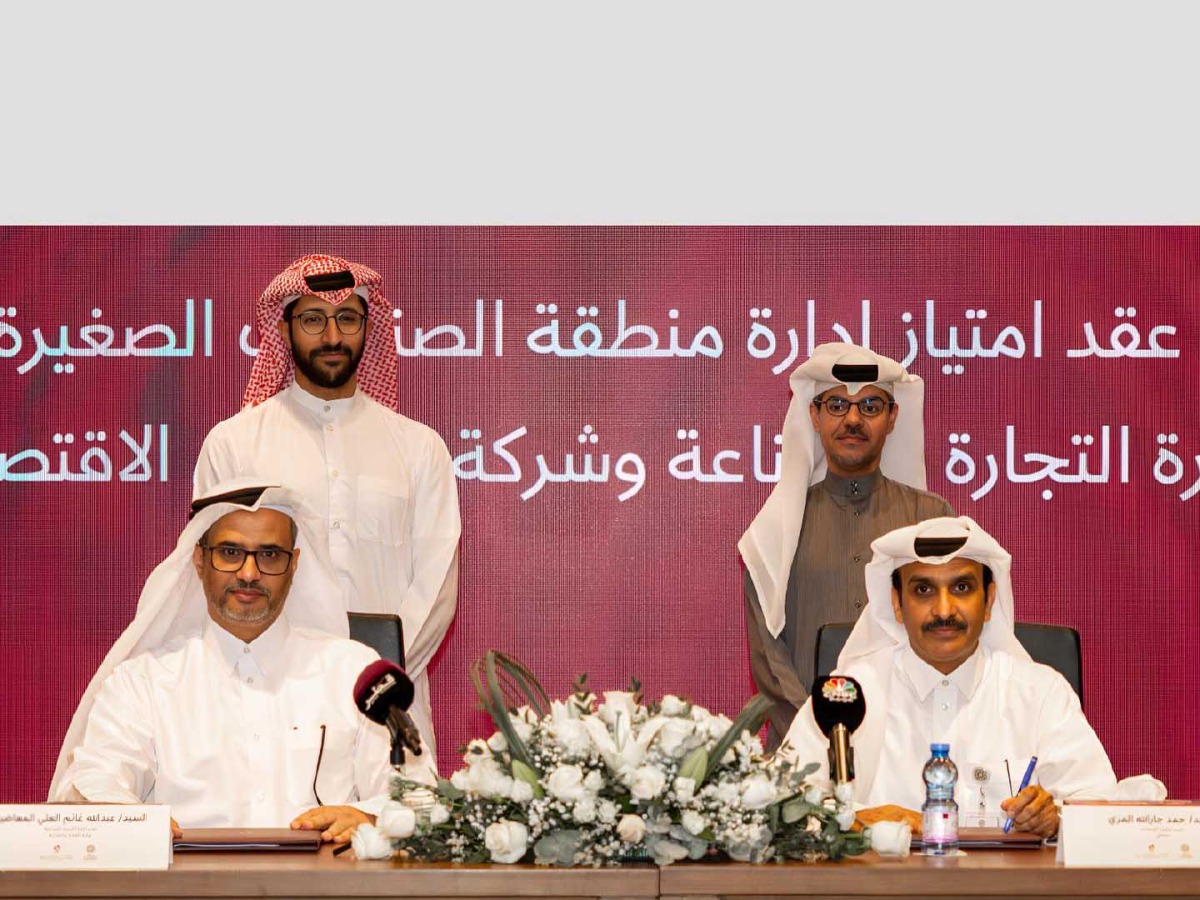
x=1008, y=824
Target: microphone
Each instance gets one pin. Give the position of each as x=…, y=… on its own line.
x=839, y=708
x=382, y=693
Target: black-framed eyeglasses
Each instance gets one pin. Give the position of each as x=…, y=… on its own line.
x=313, y=321
x=268, y=560
x=868, y=407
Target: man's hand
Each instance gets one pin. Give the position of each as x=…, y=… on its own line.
x=890, y=813
x=1033, y=810
x=336, y=823
x=176, y=831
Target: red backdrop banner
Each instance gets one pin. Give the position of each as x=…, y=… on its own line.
x=612, y=397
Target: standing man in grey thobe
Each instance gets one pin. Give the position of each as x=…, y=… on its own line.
x=853, y=469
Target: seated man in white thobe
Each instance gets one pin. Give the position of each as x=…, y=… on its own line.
x=938, y=661
x=230, y=697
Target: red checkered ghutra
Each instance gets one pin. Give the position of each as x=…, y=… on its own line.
x=378, y=371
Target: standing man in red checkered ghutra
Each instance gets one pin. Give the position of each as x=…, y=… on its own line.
x=320, y=415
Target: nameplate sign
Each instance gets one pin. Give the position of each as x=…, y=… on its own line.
x=84, y=836
x=1095, y=833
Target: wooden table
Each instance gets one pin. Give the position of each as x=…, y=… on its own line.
x=1028, y=874
x=1025, y=874
x=321, y=874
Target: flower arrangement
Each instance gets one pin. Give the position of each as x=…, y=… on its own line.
x=585, y=782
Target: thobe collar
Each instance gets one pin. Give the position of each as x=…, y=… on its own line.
x=860, y=487
x=267, y=651
x=924, y=678
x=321, y=409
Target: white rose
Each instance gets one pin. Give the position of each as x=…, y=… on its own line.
x=521, y=792
x=672, y=738
x=460, y=780
x=727, y=792
x=572, y=736
x=673, y=706
x=693, y=821
x=368, y=843
x=685, y=789
x=846, y=818
x=647, y=783
x=606, y=812
x=498, y=742
x=491, y=780
x=566, y=783
x=439, y=815
x=631, y=829
x=584, y=811
x=396, y=820
x=814, y=794
x=844, y=792
x=667, y=852
x=757, y=792
x=890, y=838
x=506, y=841
x=594, y=781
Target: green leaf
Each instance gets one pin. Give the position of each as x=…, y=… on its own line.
x=795, y=810
x=485, y=677
x=751, y=719
x=695, y=765
x=448, y=790
x=527, y=775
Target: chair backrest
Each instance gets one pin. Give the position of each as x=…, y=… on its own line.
x=1056, y=646
x=381, y=632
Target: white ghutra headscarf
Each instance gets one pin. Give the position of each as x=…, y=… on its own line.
x=172, y=604
x=769, y=544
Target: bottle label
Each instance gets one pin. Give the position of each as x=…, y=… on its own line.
x=939, y=826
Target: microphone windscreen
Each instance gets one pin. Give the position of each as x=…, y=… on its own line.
x=838, y=699
x=382, y=686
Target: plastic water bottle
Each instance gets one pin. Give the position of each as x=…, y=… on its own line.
x=939, y=814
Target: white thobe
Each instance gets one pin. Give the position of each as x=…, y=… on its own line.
x=385, y=487
x=229, y=734
x=995, y=711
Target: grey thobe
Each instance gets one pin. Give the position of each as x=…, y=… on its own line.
x=841, y=518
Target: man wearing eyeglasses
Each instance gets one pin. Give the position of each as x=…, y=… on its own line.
x=230, y=696
x=853, y=469
x=321, y=414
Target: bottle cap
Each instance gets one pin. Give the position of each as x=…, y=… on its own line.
x=940, y=749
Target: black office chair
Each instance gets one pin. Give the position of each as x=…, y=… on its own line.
x=1056, y=646
x=382, y=632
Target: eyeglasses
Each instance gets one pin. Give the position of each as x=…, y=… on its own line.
x=313, y=321
x=868, y=407
x=268, y=560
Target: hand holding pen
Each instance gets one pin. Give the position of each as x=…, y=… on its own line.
x=1031, y=808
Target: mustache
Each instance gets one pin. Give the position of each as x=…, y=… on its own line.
x=854, y=429
x=949, y=622
x=330, y=348
x=254, y=586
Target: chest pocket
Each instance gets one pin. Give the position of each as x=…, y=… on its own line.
x=331, y=766
x=382, y=507
x=983, y=786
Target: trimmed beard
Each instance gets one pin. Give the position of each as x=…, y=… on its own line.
x=323, y=377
